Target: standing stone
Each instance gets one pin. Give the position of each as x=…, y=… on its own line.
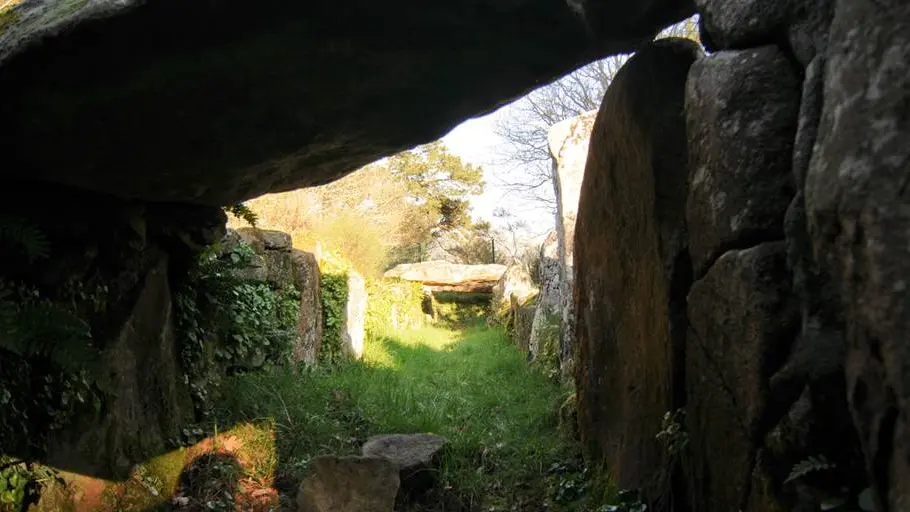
x=545, y=326
x=858, y=211
x=631, y=270
x=349, y=484
x=523, y=321
x=355, y=311
x=309, y=325
x=149, y=404
x=515, y=284
x=741, y=116
x=568, y=143
x=742, y=325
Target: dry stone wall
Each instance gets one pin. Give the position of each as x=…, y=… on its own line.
x=771, y=314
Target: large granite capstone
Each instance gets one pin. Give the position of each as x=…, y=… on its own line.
x=215, y=102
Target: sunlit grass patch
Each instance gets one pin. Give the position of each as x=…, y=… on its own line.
x=472, y=387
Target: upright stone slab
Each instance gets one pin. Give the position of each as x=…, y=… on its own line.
x=309, y=325
x=631, y=268
x=545, y=326
x=858, y=210
x=568, y=142
x=355, y=311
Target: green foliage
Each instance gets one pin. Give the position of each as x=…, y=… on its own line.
x=673, y=433
x=334, y=295
x=547, y=359
x=49, y=369
x=388, y=298
x=440, y=181
x=24, y=237
x=224, y=322
x=21, y=482
x=242, y=211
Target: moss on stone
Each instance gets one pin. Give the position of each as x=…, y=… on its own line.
x=166, y=468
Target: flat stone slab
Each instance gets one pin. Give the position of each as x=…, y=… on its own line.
x=349, y=484
x=415, y=455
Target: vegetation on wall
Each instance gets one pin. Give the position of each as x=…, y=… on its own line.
x=547, y=360
x=226, y=323
x=49, y=373
x=334, y=296
x=391, y=304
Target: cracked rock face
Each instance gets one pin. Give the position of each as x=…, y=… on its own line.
x=858, y=212
x=215, y=102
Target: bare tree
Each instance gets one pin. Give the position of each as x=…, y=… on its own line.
x=523, y=166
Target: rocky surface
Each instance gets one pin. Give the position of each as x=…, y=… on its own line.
x=514, y=285
x=355, y=311
x=751, y=23
x=741, y=111
x=858, y=210
x=349, y=484
x=546, y=324
x=273, y=256
x=522, y=322
x=415, y=455
x=232, y=101
x=631, y=269
x=120, y=262
x=442, y=275
x=307, y=280
x=743, y=321
x=568, y=143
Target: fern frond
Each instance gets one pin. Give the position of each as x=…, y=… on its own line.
x=26, y=236
x=809, y=465
x=244, y=212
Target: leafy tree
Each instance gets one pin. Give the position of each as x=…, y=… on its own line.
x=386, y=212
x=439, y=182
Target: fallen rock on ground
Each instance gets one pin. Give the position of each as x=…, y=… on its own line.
x=349, y=484
x=415, y=455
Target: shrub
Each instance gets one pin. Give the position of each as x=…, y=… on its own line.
x=334, y=294
x=393, y=302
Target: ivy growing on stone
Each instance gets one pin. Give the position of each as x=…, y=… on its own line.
x=334, y=294
x=226, y=324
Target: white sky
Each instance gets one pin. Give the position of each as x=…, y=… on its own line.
x=475, y=142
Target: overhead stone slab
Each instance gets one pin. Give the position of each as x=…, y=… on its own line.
x=858, y=211
x=215, y=102
x=631, y=272
x=440, y=273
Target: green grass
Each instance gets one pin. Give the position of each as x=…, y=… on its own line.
x=471, y=386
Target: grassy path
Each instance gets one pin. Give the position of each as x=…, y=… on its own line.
x=471, y=386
